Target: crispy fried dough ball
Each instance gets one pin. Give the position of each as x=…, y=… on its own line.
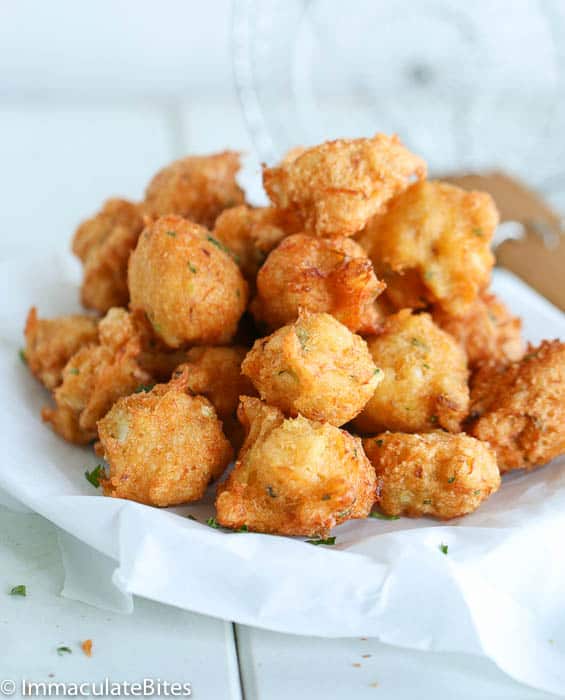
x=315, y=367
x=337, y=186
x=95, y=377
x=189, y=287
x=425, y=378
x=163, y=447
x=437, y=474
x=104, y=244
x=251, y=234
x=294, y=476
x=50, y=343
x=443, y=234
x=488, y=331
x=320, y=275
x=520, y=409
x=198, y=188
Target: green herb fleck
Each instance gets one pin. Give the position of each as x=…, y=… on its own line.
x=377, y=371
x=429, y=275
x=212, y=522
x=223, y=248
x=22, y=355
x=19, y=590
x=172, y=234
x=271, y=491
x=477, y=492
x=327, y=540
x=451, y=480
x=94, y=476
x=426, y=365
x=302, y=337
x=443, y=548
x=74, y=370
x=243, y=528
x=379, y=442
x=530, y=356
x=191, y=517
x=434, y=419
x=238, y=293
x=326, y=497
x=64, y=650
x=382, y=516
x=191, y=267
x=144, y=388
x=416, y=342
x=478, y=232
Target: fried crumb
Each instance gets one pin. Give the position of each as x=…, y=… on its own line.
x=356, y=665
x=86, y=646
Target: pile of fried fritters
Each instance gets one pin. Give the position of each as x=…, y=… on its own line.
x=359, y=298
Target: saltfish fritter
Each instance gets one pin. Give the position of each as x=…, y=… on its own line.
x=198, y=188
x=436, y=474
x=51, y=342
x=434, y=242
x=294, y=476
x=163, y=447
x=338, y=186
x=519, y=409
x=321, y=275
x=487, y=331
x=315, y=367
x=189, y=287
x=96, y=377
x=424, y=383
x=104, y=243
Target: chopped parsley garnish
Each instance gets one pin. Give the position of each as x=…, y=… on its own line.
x=222, y=247
x=212, y=522
x=191, y=517
x=271, y=491
x=377, y=371
x=426, y=365
x=434, y=419
x=143, y=388
x=192, y=268
x=243, y=528
x=379, y=442
x=478, y=232
x=326, y=497
x=327, y=540
x=172, y=234
x=95, y=475
x=429, y=274
x=451, y=480
x=443, y=548
x=417, y=343
x=477, y=492
x=22, y=355
x=74, y=370
x=19, y=590
x=382, y=516
x=64, y=650
x=302, y=336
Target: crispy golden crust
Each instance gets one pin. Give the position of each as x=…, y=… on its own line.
x=294, y=476
x=50, y=343
x=320, y=275
x=315, y=367
x=189, y=287
x=487, y=332
x=104, y=244
x=198, y=188
x=95, y=377
x=163, y=447
x=251, y=234
x=437, y=474
x=425, y=378
x=520, y=409
x=337, y=186
x=440, y=235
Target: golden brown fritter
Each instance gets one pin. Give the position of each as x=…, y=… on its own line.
x=187, y=284
x=520, y=408
x=198, y=188
x=315, y=367
x=487, y=331
x=294, y=476
x=439, y=235
x=437, y=474
x=104, y=244
x=425, y=378
x=163, y=447
x=337, y=186
x=95, y=377
x=50, y=343
x=251, y=234
x=320, y=275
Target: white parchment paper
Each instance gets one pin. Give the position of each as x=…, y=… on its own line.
x=499, y=592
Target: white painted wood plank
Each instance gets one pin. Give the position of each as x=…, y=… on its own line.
x=59, y=163
x=156, y=641
x=278, y=667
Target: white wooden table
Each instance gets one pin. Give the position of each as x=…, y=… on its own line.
x=58, y=162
